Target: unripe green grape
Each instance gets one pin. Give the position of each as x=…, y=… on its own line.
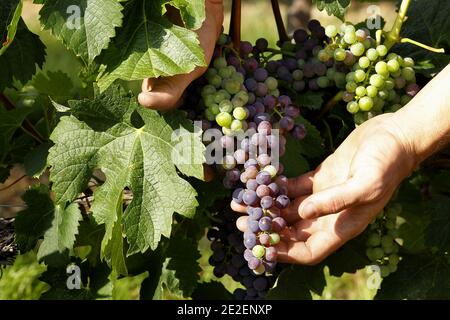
x=258, y=251
x=389, y=84
x=367, y=43
x=301, y=63
x=377, y=80
x=392, y=268
x=224, y=119
x=391, y=96
x=357, y=49
x=372, y=91
x=238, y=102
x=370, y=254
x=408, y=73
x=378, y=253
x=223, y=39
x=383, y=94
x=365, y=103
x=215, y=109
x=225, y=94
x=394, y=259
x=390, y=225
x=209, y=115
x=227, y=132
x=219, y=97
x=323, y=82
x=271, y=83
x=352, y=107
x=208, y=90
x=271, y=170
x=216, y=81
x=372, y=54
x=381, y=68
x=364, y=62
x=231, y=86
x=405, y=99
x=239, y=113
x=360, y=117
x=274, y=93
x=374, y=240
x=323, y=56
x=393, y=65
x=349, y=77
x=226, y=72
x=274, y=238
x=378, y=104
x=219, y=63
x=384, y=271
x=393, y=233
x=330, y=73
x=360, y=75
x=391, y=56
x=387, y=241
x=331, y=31
x=236, y=125
x=209, y=100
x=339, y=54
x=238, y=77
x=350, y=37
x=382, y=50
x=361, y=35
x=339, y=79
x=298, y=75
x=351, y=86
x=226, y=106
x=349, y=28
x=361, y=91
x=408, y=62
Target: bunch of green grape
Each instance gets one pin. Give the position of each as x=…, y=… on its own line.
x=378, y=81
x=382, y=246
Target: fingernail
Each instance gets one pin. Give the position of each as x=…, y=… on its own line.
x=308, y=211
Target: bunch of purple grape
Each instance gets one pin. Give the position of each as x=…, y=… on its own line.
x=227, y=258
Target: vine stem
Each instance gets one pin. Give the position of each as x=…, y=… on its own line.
x=408, y=40
x=330, y=104
x=276, y=51
x=282, y=34
x=27, y=126
x=393, y=36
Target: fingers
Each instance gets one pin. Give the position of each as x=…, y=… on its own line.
x=300, y=186
x=335, y=199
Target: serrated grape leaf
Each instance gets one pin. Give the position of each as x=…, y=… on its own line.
x=9, y=18
x=418, y=277
x=336, y=8
x=55, y=84
x=139, y=158
x=293, y=162
x=296, y=282
x=128, y=288
x=438, y=230
x=85, y=26
x=61, y=235
x=312, y=100
x=90, y=234
x=149, y=46
x=20, y=60
x=35, y=161
x=427, y=23
x=10, y=121
x=312, y=146
x=211, y=291
x=192, y=12
x=35, y=220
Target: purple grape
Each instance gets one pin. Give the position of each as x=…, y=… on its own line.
x=308, y=70
x=270, y=102
x=264, y=239
x=273, y=188
x=239, y=294
x=265, y=223
x=219, y=271
x=271, y=254
x=261, y=74
x=312, y=84
x=251, y=111
x=310, y=44
x=254, y=263
x=245, y=47
x=261, y=44
x=284, y=101
x=251, y=184
x=269, y=266
x=233, y=175
x=299, y=132
x=264, y=160
x=266, y=202
x=298, y=85
x=240, y=156
x=219, y=255
x=263, y=178
x=259, y=107
x=250, y=198
x=412, y=89
x=260, y=284
x=314, y=25
x=250, y=163
x=262, y=191
x=301, y=55
x=237, y=261
x=250, y=241
x=248, y=254
x=256, y=214
x=290, y=63
x=278, y=224
x=273, y=141
x=287, y=123
x=250, y=84
x=233, y=61
x=232, y=270
x=282, y=202
x=253, y=225
x=248, y=281
x=261, y=90
x=300, y=36
x=251, y=292
x=265, y=127
x=251, y=64
x=227, y=142
x=212, y=234
x=292, y=111
x=272, y=66
x=238, y=195
x=245, y=145
x=320, y=69
x=262, y=117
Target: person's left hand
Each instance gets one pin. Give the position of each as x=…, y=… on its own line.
x=164, y=93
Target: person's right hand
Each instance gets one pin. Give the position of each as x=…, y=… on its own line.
x=343, y=195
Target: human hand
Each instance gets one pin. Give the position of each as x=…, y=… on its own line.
x=341, y=197
x=164, y=93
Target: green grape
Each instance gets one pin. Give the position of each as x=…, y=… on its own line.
x=392, y=56
x=392, y=268
x=216, y=81
x=383, y=94
x=209, y=115
x=365, y=103
x=323, y=56
x=393, y=66
x=240, y=113
x=384, y=271
x=330, y=73
x=219, y=63
x=405, y=99
x=225, y=94
x=372, y=54
x=390, y=225
x=374, y=240
x=382, y=50
x=297, y=75
x=392, y=95
x=339, y=79
x=239, y=77
x=350, y=37
x=271, y=170
x=323, y=82
x=331, y=31
x=271, y=83
x=227, y=132
x=339, y=54
x=210, y=73
x=370, y=254
x=361, y=91
x=377, y=80
x=236, y=125
x=274, y=93
x=367, y=43
x=209, y=100
x=349, y=28
x=258, y=251
x=387, y=241
x=409, y=74
x=360, y=75
x=364, y=62
x=219, y=97
x=378, y=104
x=382, y=68
x=349, y=77
x=399, y=82
x=378, y=253
x=352, y=107
x=394, y=259
x=232, y=86
x=226, y=106
x=260, y=270
x=224, y=119
x=408, y=62
x=372, y=91
x=208, y=90
x=357, y=49
x=226, y=72
x=361, y=35
x=389, y=84
x=301, y=63
x=274, y=238
x=215, y=109
x=351, y=87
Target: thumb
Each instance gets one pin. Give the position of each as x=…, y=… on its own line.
x=334, y=199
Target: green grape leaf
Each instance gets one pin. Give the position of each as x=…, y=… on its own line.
x=10, y=121
x=438, y=230
x=35, y=161
x=144, y=159
x=312, y=146
x=418, y=277
x=149, y=46
x=85, y=27
x=427, y=23
x=9, y=18
x=21, y=280
x=192, y=12
x=128, y=288
x=211, y=291
x=336, y=8
x=297, y=282
x=36, y=219
x=20, y=60
x=54, y=84
x=312, y=100
x=349, y=258
x=90, y=234
x=293, y=161
x=61, y=235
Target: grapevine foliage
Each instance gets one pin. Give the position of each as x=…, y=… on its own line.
x=124, y=205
